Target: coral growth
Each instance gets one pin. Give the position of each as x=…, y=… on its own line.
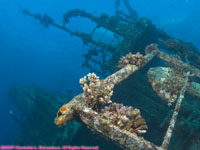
x=151, y=47
x=126, y=118
x=166, y=82
x=96, y=91
x=179, y=66
x=137, y=59
x=174, y=82
x=177, y=45
x=185, y=50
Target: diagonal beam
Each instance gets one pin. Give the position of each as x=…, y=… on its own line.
x=175, y=114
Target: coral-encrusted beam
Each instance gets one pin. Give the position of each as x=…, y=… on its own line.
x=175, y=114
x=123, y=138
x=178, y=64
x=126, y=71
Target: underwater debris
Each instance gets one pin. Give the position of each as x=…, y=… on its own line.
x=137, y=59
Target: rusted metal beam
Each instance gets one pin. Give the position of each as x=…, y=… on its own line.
x=174, y=116
x=178, y=64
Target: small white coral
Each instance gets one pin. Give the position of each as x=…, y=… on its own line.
x=92, y=77
x=97, y=92
x=83, y=80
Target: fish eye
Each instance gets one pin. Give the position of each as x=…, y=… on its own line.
x=59, y=113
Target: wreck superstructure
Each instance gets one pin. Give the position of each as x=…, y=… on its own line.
x=136, y=33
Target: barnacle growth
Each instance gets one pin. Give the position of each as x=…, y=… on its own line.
x=137, y=59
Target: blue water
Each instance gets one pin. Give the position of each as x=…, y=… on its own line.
x=29, y=52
